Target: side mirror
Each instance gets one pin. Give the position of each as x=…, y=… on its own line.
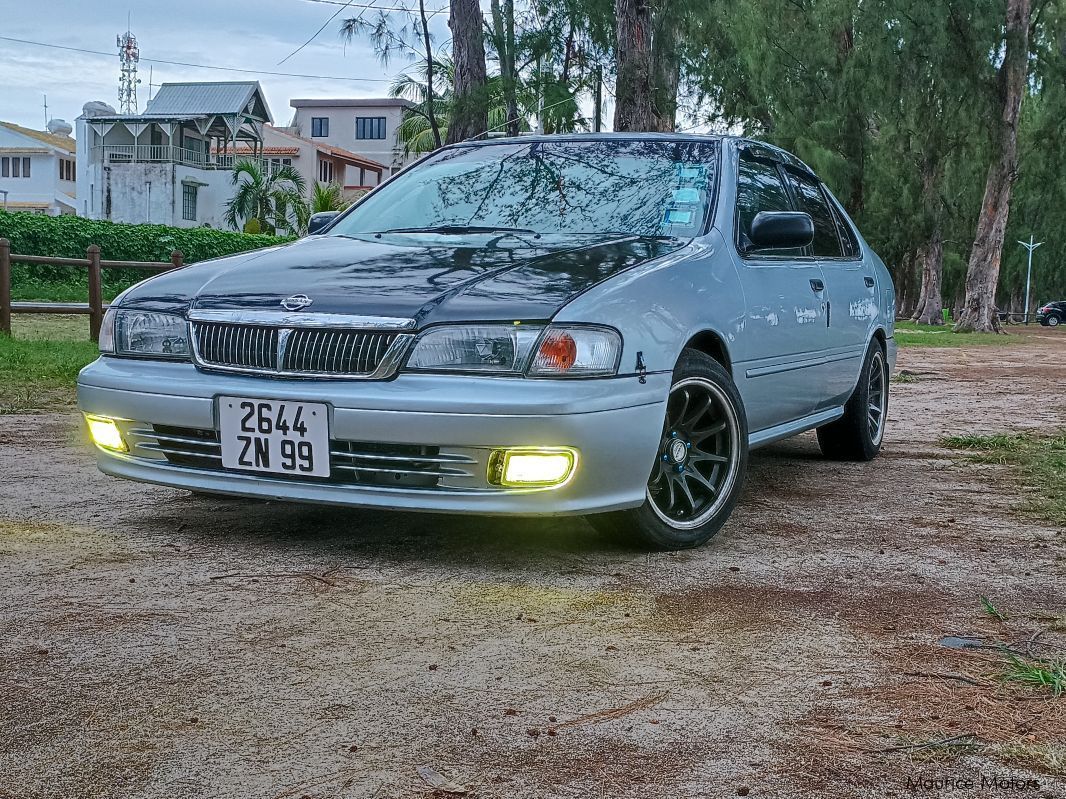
x=781, y=230
x=320, y=220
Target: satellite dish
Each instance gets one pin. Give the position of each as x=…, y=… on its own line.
x=60, y=127
x=97, y=108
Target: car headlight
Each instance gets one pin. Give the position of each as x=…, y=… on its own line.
x=552, y=351
x=144, y=333
x=475, y=348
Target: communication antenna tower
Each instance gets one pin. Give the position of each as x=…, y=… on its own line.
x=128, y=54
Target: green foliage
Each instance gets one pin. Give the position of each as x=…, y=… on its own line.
x=327, y=197
x=272, y=199
x=69, y=236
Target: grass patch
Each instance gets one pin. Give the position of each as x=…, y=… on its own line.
x=991, y=609
x=1037, y=673
x=912, y=334
x=40, y=362
x=1040, y=461
x=62, y=291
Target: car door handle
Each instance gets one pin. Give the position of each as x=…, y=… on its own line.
x=869, y=282
x=817, y=285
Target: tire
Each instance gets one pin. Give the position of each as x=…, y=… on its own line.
x=857, y=435
x=1052, y=320
x=690, y=496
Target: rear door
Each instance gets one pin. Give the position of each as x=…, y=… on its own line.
x=779, y=353
x=851, y=287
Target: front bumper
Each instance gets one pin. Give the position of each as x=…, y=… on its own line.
x=614, y=424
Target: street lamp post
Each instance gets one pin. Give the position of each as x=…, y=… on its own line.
x=1030, y=246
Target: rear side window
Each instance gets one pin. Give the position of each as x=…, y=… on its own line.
x=810, y=198
x=759, y=188
x=848, y=240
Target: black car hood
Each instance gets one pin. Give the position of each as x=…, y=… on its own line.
x=431, y=279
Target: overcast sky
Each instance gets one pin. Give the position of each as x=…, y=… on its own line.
x=251, y=35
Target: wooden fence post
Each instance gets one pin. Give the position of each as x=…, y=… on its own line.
x=96, y=292
x=176, y=258
x=5, y=286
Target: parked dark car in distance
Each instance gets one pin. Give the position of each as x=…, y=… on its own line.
x=1051, y=314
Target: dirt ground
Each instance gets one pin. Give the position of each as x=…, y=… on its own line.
x=157, y=644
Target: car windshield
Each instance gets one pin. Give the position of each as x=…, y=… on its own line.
x=649, y=187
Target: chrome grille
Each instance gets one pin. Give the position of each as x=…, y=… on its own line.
x=327, y=351
x=298, y=351
x=242, y=346
x=351, y=462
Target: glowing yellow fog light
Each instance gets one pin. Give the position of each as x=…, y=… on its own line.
x=531, y=467
x=105, y=433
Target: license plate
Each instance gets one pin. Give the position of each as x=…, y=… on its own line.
x=274, y=436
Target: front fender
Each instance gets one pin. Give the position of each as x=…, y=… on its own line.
x=660, y=306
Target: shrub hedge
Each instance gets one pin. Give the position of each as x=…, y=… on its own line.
x=68, y=237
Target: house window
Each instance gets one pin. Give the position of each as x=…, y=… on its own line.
x=319, y=127
x=188, y=202
x=370, y=127
x=14, y=167
x=325, y=171
x=66, y=169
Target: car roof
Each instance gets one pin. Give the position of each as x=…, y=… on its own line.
x=758, y=148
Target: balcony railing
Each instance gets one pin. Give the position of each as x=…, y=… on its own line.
x=169, y=154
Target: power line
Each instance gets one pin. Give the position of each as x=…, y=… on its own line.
x=198, y=66
x=324, y=24
x=429, y=11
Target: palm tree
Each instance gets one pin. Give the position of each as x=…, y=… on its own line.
x=327, y=197
x=267, y=201
x=415, y=132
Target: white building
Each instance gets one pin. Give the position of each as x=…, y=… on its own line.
x=366, y=127
x=317, y=161
x=171, y=165
x=37, y=169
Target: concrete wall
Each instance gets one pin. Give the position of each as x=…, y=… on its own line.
x=120, y=191
x=342, y=130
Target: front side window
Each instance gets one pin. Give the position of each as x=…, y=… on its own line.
x=370, y=127
x=810, y=199
x=188, y=202
x=642, y=187
x=760, y=187
x=319, y=127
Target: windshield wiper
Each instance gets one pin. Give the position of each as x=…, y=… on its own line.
x=621, y=233
x=458, y=230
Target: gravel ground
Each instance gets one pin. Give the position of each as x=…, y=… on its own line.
x=157, y=644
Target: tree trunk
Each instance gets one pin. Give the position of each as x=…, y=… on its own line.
x=503, y=34
x=633, y=103
x=982, y=273
x=930, y=308
x=430, y=104
x=470, y=115
x=665, y=67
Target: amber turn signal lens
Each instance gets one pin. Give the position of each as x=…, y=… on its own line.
x=557, y=352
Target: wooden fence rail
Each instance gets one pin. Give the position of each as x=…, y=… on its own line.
x=92, y=262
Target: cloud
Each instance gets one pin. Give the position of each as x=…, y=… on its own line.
x=246, y=35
